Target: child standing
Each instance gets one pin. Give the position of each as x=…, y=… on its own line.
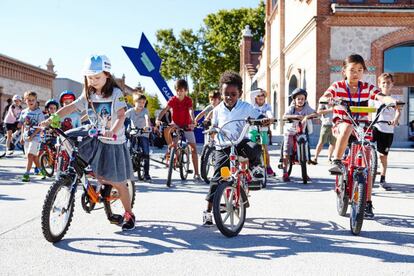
x=352, y=91
x=72, y=120
x=30, y=118
x=111, y=161
x=326, y=135
x=232, y=108
x=383, y=133
x=183, y=117
x=258, y=98
x=139, y=117
x=300, y=110
x=11, y=120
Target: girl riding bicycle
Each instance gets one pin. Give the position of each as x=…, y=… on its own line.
x=352, y=91
x=300, y=110
x=109, y=159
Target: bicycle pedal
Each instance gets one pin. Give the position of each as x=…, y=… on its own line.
x=190, y=171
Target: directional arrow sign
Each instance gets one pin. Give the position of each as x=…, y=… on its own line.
x=148, y=63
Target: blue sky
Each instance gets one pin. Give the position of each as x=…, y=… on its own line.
x=68, y=31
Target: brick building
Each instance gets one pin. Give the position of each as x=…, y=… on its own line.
x=306, y=41
x=16, y=77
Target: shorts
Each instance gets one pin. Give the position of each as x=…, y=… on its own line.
x=384, y=140
x=12, y=127
x=190, y=137
x=31, y=147
x=287, y=144
x=326, y=136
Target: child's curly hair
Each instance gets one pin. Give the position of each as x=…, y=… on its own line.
x=231, y=78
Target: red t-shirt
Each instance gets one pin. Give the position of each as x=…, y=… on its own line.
x=180, y=110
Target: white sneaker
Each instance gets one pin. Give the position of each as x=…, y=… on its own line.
x=257, y=173
x=386, y=186
x=9, y=153
x=207, y=218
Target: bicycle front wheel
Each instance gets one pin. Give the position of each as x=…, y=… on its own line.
x=170, y=166
x=184, y=161
x=358, y=203
x=207, y=164
x=57, y=211
x=303, y=161
x=229, y=209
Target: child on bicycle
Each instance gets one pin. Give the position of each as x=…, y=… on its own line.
x=51, y=107
x=11, y=120
x=300, y=110
x=258, y=98
x=215, y=99
x=72, y=120
x=30, y=118
x=383, y=133
x=352, y=91
x=139, y=117
x=232, y=108
x=182, y=117
x=109, y=159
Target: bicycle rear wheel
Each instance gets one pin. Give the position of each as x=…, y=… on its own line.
x=112, y=202
x=229, y=209
x=374, y=163
x=3, y=146
x=57, y=211
x=47, y=164
x=358, y=203
x=342, y=199
x=140, y=167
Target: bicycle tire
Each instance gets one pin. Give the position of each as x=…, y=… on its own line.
x=303, y=161
x=264, y=168
x=109, y=205
x=140, y=168
x=48, y=208
x=3, y=146
x=358, y=202
x=238, y=208
x=207, y=156
x=374, y=164
x=342, y=199
x=170, y=167
x=184, y=162
x=45, y=164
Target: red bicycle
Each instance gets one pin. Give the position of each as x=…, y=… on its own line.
x=52, y=157
x=354, y=184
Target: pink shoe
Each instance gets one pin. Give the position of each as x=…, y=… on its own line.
x=270, y=172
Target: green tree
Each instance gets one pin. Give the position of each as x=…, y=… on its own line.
x=152, y=104
x=204, y=55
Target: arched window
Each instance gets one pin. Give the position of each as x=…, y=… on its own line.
x=399, y=59
x=293, y=84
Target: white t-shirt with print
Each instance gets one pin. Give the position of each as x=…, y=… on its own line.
x=106, y=112
x=386, y=115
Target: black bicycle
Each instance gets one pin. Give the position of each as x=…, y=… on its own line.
x=58, y=207
x=137, y=154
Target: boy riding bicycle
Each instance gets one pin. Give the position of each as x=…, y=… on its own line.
x=232, y=108
x=182, y=117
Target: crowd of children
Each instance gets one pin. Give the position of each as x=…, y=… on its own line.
x=104, y=98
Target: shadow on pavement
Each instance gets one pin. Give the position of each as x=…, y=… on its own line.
x=7, y=197
x=277, y=238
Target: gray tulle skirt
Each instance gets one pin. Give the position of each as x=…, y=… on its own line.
x=109, y=161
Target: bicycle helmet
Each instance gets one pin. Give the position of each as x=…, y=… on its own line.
x=67, y=94
x=96, y=64
x=51, y=101
x=298, y=91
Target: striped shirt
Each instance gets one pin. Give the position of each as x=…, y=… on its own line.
x=339, y=91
